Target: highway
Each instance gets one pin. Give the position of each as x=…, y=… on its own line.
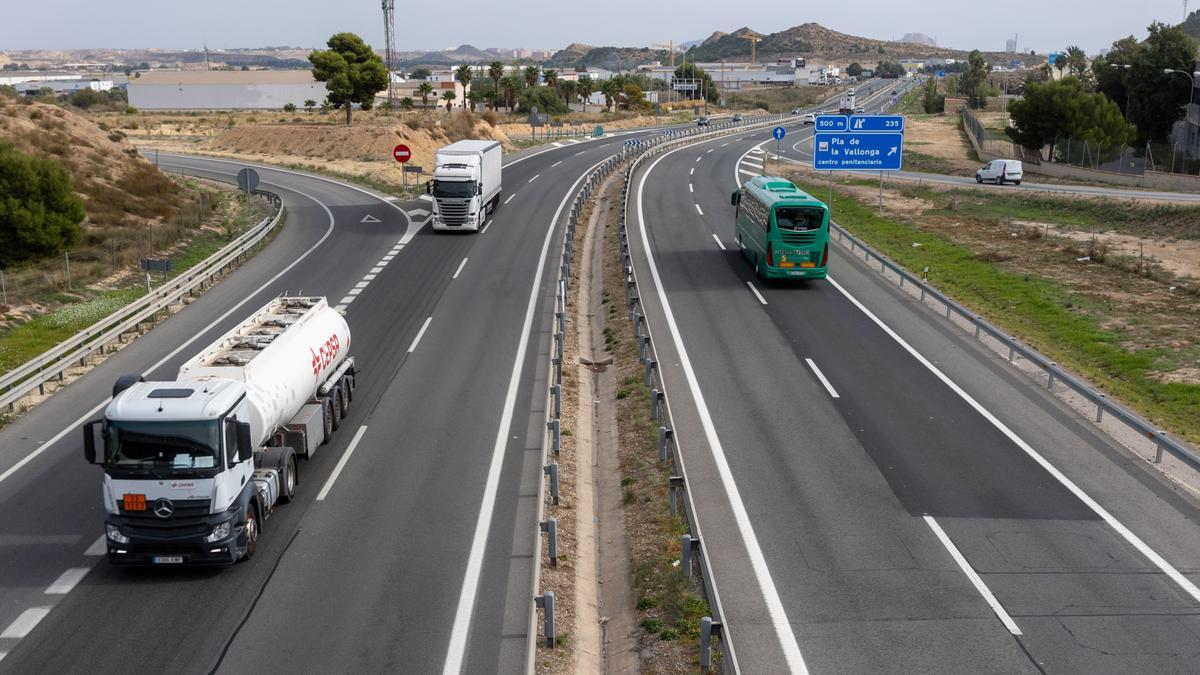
x=437, y=463
x=882, y=493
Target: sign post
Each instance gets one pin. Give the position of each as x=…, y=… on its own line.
x=401, y=153
x=778, y=133
x=247, y=180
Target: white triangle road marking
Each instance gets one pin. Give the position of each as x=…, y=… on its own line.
x=369, y=219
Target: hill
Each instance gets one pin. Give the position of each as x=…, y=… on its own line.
x=814, y=41
x=609, y=58
x=1191, y=25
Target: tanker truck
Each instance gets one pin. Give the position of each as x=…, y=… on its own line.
x=193, y=468
x=465, y=185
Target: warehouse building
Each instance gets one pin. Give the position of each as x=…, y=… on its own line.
x=223, y=89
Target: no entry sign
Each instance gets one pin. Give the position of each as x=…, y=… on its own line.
x=402, y=153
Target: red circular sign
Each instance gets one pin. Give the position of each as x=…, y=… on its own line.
x=402, y=153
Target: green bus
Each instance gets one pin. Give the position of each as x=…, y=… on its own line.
x=781, y=229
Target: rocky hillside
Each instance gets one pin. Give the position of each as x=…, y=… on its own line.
x=814, y=41
x=1191, y=26
x=610, y=58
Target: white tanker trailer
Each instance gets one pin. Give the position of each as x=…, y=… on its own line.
x=193, y=467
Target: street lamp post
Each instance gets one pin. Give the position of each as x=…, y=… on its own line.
x=1192, y=77
x=1123, y=66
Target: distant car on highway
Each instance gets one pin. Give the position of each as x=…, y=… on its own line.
x=702, y=122
x=1001, y=171
x=860, y=110
x=810, y=119
x=737, y=118
x=795, y=111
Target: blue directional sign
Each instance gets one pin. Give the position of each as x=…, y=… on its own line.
x=940, y=74
x=877, y=123
x=848, y=151
x=831, y=123
x=777, y=133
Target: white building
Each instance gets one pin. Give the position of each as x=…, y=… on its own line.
x=34, y=87
x=224, y=90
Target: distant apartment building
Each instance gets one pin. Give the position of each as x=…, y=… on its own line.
x=224, y=90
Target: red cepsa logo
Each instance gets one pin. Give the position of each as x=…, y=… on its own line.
x=322, y=357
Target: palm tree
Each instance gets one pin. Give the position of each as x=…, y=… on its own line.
x=309, y=105
x=610, y=89
x=509, y=86
x=567, y=87
x=464, y=75
x=425, y=89
x=1076, y=61
x=585, y=87
x=551, y=77
x=532, y=75
x=496, y=71
x=473, y=96
x=448, y=96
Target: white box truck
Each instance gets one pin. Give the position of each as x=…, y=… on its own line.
x=193, y=467
x=465, y=184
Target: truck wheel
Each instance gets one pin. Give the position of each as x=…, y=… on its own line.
x=327, y=417
x=339, y=410
x=348, y=387
x=287, y=480
x=251, y=531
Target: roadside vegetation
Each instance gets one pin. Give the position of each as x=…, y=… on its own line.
x=1048, y=271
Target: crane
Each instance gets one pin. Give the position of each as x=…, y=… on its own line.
x=670, y=47
x=754, y=39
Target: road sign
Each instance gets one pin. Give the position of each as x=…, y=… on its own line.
x=829, y=123
x=877, y=123
x=598, y=131
x=778, y=133
x=153, y=265
x=864, y=151
x=412, y=168
x=401, y=153
x=632, y=143
x=941, y=74
x=247, y=180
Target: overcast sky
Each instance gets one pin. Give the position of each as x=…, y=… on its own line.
x=1043, y=25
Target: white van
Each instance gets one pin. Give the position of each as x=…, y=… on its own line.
x=1001, y=171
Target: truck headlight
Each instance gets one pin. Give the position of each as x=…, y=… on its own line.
x=219, y=532
x=114, y=533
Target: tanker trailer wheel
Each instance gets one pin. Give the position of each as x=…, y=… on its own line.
x=287, y=480
x=339, y=410
x=327, y=417
x=251, y=531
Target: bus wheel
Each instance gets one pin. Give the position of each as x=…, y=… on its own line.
x=757, y=267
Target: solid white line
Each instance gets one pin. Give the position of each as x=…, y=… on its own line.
x=413, y=346
x=1133, y=540
x=974, y=577
x=461, y=265
x=337, y=470
x=510, y=198
x=556, y=164
x=98, y=547
x=718, y=240
x=758, y=563
x=456, y=652
x=756, y=293
x=25, y=623
x=74, y=426
x=698, y=209
x=821, y=376
x=67, y=581
x=535, y=177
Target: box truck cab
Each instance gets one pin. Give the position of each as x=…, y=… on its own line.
x=466, y=184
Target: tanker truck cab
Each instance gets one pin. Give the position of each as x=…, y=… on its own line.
x=194, y=467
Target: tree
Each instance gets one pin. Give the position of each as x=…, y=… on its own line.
x=425, y=89
x=705, y=87
x=1076, y=60
x=610, y=89
x=854, y=69
x=568, y=89
x=585, y=86
x=309, y=104
x=40, y=214
x=547, y=100
x=406, y=103
x=551, y=78
x=931, y=100
x=974, y=80
x=474, y=96
x=464, y=74
x=1157, y=98
x=532, y=75
x=448, y=96
x=289, y=107
x=1063, y=109
x=510, y=86
x=351, y=70
x=419, y=74
x=496, y=72
x=1111, y=71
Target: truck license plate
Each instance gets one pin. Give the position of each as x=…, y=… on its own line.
x=168, y=559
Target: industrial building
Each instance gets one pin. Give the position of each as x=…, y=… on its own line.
x=223, y=89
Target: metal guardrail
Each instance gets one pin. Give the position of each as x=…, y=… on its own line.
x=52, y=364
x=1016, y=349
x=551, y=440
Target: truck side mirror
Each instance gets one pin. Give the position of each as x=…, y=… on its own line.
x=735, y=199
x=89, y=441
x=429, y=188
x=245, y=445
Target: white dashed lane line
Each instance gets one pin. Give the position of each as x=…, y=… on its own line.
x=556, y=164
x=821, y=376
x=756, y=293
x=510, y=198
x=67, y=581
x=24, y=624
x=413, y=347
x=458, y=271
x=718, y=240
x=698, y=209
x=534, y=178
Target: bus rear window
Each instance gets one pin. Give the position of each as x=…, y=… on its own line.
x=799, y=218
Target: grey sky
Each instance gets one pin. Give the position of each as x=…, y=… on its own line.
x=1042, y=24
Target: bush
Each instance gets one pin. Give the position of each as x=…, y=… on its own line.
x=40, y=214
x=547, y=100
x=130, y=110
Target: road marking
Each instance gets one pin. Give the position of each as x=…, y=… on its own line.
x=388, y=257
x=510, y=198
x=355, y=291
x=821, y=376
x=67, y=581
x=347, y=300
x=369, y=219
x=535, y=177
x=778, y=619
x=579, y=153
x=337, y=470
x=420, y=333
x=974, y=577
x=456, y=652
x=25, y=623
x=756, y=293
x=461, y=265
x=187, y=343
x=698, y=209
x=419, y=212
x=756, y=151
x=556, y=164
x=724, y=144
x=709, y=150
x=383, y=263
x=692, y=172
x=427, y=198
x=700, y=158
x=376, y=270
x=1133, y=540
x=748, y=173
x=485, y=226
x=690, y=188
x=362, y=284
x=369, y=277
x=98, y=547
x=557, y=145
x=718, y=240
x=749, y=162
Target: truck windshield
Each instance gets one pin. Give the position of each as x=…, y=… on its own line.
x=165, y=445
x=454, y=189
x=799, y=218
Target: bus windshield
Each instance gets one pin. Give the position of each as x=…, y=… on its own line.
x=799, y=218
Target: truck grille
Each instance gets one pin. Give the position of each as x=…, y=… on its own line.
x=453, y=213
x=190, y=517
x=799, y=238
